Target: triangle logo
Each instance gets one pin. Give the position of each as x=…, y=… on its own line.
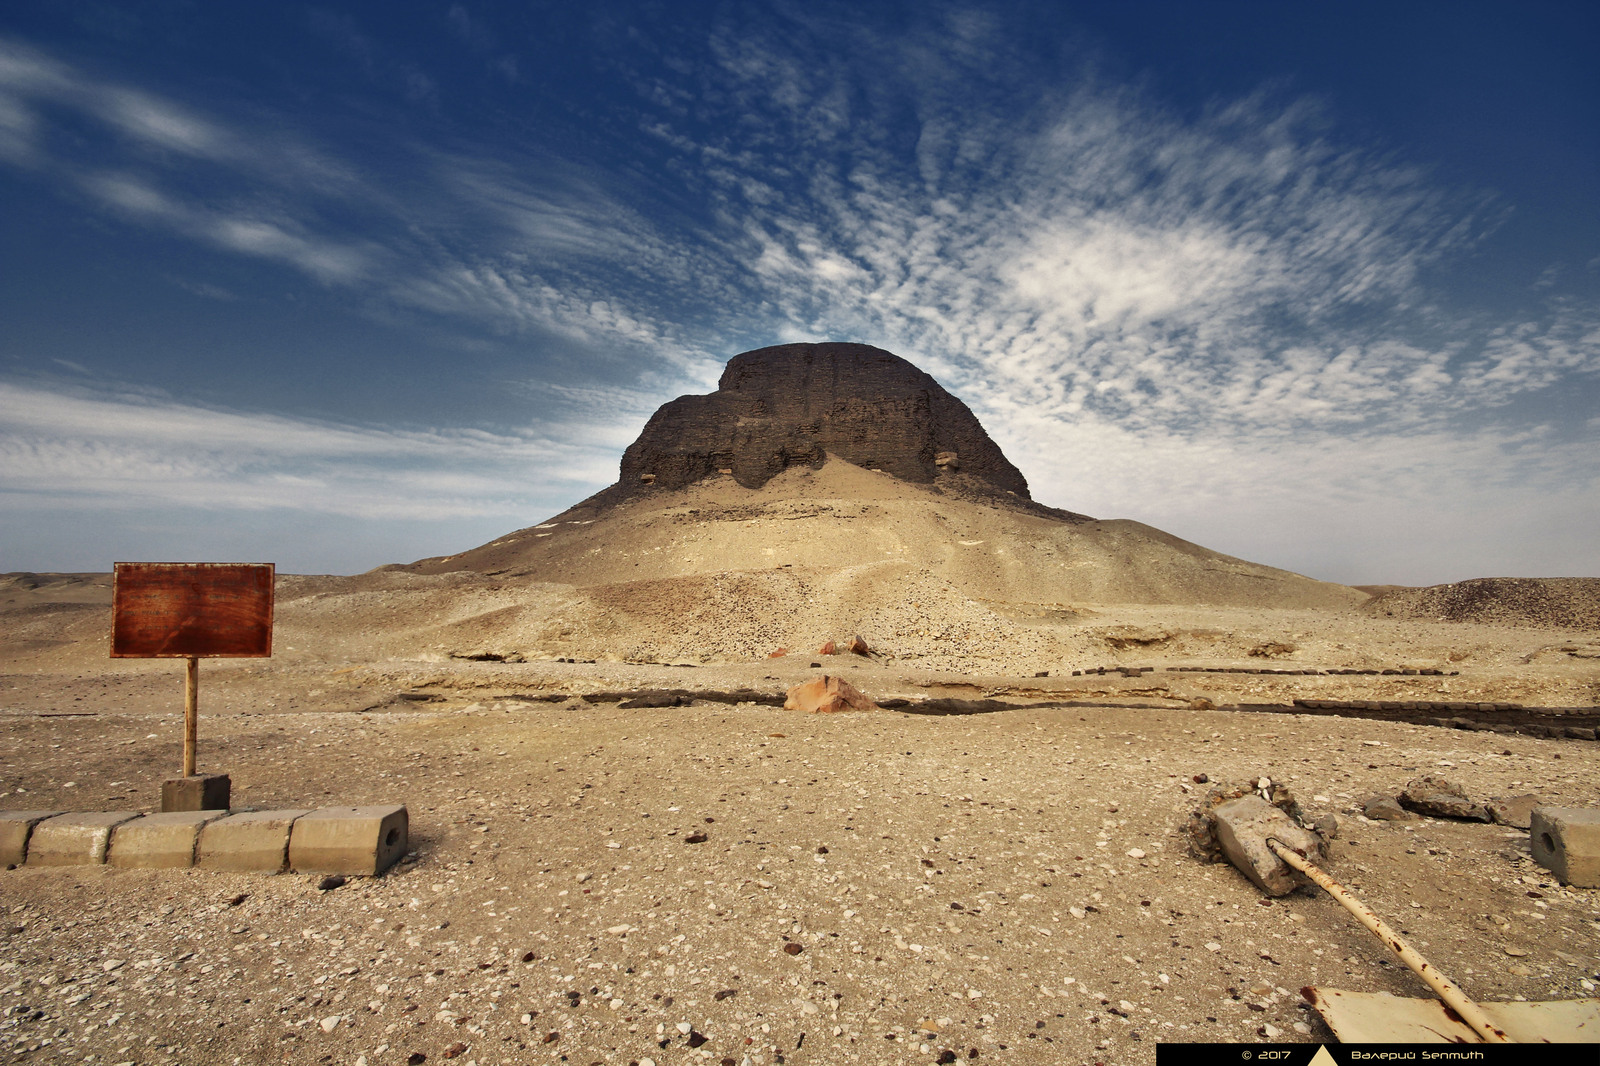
x=1322, y=1058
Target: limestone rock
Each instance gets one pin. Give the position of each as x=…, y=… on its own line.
x=1438, y=797
x=1515, y=811
x=1385, y=809
x=826, y=695
x=1243, y=827
x=1201, y=827
x=793, y=404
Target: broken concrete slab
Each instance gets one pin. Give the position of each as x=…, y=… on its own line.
x=15, y=829
x=349, y=840
x=250, y=841
x=1384, y=1018
x=1566, y=841
x=1515, y=811
x=1243, y=827
x=163, y=841
x=1437, y=797
x=78, y=839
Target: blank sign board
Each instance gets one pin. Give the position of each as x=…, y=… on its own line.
x=192, y=610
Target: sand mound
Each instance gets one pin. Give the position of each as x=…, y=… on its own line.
x=841, y=517
x=1544, y=602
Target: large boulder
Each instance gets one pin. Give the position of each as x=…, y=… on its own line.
x=825, y=695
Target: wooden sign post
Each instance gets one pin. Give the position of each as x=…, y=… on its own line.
x=192, y=611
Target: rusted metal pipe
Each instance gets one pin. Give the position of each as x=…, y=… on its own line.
x=191, y=712
x=1448, y=990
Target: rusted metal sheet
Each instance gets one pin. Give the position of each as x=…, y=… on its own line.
x=182, y=610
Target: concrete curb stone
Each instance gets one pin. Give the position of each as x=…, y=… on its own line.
x=349, y=840
x=79, y=839
x=15, y=829
x=248, y=841
x=164, y=841
x=1566, y=841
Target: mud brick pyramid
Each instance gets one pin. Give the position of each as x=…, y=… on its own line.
x=860, y=472
x=794, y=404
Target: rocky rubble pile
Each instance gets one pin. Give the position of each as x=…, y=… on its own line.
x=1545, y=602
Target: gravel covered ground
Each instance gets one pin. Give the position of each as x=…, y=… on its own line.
x=732, y=884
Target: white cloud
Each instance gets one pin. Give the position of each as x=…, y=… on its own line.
x=80, y=448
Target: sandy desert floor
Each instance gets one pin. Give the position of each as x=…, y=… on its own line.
x=723, y=882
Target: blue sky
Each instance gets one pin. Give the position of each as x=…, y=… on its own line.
x=337, y=285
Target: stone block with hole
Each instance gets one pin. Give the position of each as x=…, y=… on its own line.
x=349, y=840
x=15, y=829
x=248, y=842
x=1566, y=841
x=163, y=841
x=75, y=839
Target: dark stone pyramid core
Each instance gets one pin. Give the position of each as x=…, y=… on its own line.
x=791, y=404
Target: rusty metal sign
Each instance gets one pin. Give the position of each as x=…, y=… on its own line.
x=192, y=610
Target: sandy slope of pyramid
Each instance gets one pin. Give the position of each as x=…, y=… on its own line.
x=843, y=518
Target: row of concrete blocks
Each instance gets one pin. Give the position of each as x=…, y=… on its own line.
x=332, y=840
x=1405, y=705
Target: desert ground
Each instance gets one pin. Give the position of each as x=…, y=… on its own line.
x=724, y=881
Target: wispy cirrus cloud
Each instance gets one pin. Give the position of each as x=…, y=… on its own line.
x=518, y=240
x=108, y=448
x=1171, y=316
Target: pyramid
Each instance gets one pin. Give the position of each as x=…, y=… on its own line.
x=826, y=489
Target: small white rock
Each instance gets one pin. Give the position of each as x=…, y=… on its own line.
x=112, y=964
x=1213, y=946
x=683, y=1027
x=330, y=1023
x=1135, y=853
